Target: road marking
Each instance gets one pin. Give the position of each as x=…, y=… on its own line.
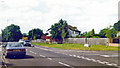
x=33, y=52
x=94, y=60
x=50, y=58
x=78, y=57
x=42, y=56
x=109, y=55
x=74, y=56
x=65, y=64
x=88, y=59
x=70, y=55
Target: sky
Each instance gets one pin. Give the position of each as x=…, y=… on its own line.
x=84, y=14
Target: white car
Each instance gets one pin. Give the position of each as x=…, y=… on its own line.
x=27, y=43
x=21, y=41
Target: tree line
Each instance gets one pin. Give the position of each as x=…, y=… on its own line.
x=59, y=31
x=12, y=33
x=108, y=32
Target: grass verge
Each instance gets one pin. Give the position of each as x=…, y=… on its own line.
x=78, y=47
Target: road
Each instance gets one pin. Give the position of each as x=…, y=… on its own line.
x=44, y=57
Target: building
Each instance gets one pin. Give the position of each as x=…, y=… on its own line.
x=118, y=34
x=73, y=31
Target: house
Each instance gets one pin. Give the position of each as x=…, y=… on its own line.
x=118, y=34
x=73, y=31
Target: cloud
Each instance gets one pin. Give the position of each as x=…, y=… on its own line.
x=84, y=14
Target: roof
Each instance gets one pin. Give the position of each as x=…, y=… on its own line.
x=118, y=34
x=73, y=28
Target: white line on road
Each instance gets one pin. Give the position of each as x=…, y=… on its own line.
x=74, y=56
x=70, y=55
x=33, y=52
x=65, y=64
x=50, y=58
x=95, y=60
x=109, y=55
x=42, y=56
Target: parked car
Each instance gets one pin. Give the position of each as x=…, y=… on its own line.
x=13, y=49
x=21, y=41
x=27, y=43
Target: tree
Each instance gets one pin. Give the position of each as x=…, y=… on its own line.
x=117, y=26
x=102, y=33
x=108, y=32
x=11, y=33
x=59, y=30
x=91, y=33
x=111, y=33
x=35, y=34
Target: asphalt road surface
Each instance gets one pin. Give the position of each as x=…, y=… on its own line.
x=42, y=57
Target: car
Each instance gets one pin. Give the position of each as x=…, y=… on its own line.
x=21, y=41
x=27, y=43
x=12, y=49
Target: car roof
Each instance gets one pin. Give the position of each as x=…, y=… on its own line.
x=13, y=42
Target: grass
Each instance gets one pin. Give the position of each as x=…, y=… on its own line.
x=78, y=47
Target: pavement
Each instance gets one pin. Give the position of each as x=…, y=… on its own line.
x=43, y=57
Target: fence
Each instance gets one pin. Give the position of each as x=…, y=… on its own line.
x=92, y=41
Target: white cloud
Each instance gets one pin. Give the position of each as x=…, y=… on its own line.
x=84, y=14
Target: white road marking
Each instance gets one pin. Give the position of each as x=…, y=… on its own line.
x=78, y=57
x=88, y=59
x=82, y=57
x=109, y=64
x=33, y=52
x=85, y=58
x=65, y=64
x=70, y=55
x=109, y=55
x=42, y=56
x=94, y=60
x=74, y=56
x=50, y=58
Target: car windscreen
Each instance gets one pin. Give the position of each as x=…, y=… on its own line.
x=27, y=41
x=14, y=45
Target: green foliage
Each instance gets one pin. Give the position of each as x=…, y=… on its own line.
x=117, y=26
x=77, y=36
x=109, y=32
x=35, y=34
x=59, y=30
x=102, y=33
x=11, y=33
x=91, y=33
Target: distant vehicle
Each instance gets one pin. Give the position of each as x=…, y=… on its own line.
x=13, y=49
x=21, y=41
x=27, y=43
x=25, y=38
